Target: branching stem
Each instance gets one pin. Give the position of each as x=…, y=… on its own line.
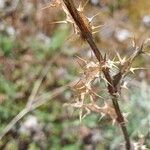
x=87, y=35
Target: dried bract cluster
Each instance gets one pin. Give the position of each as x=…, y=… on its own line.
x=84, y=93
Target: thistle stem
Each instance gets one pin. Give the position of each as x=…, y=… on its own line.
x=87, y=35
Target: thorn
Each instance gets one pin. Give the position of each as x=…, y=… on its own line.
x=111, y=64
x=114, y=60
x=91, y=18
x=96, y=94
x=91, y=98
x=81, y=59
x=81, y=8
x=92, y=56
x=95, y=32
x=125, y=115
x=125, y=85
x=118, y=55
x=121, y=60
x=77, y=83
x=80, y=115
x=80, y=65
x=87, y=113
x=95, y=27
x=105, y=80
x=59, y=22
x=133, y=69
x=134, y=42
x=102, y=116
x=105, y=105
x=48, y=6
x=113, y=122
x=85, y=4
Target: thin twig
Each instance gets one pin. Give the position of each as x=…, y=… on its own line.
x=38, y=82
x=122, y=69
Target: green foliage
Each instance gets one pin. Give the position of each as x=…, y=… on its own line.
x=58, y=38
x=140, y=99
x=12, y=145
x=71, y=147
x=42, y=49
x=139, y=111
x=7, y=87
x=33, y=146
x=92, y=120
x=7, y=44
x=8, y=108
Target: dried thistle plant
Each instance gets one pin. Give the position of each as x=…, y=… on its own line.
x=101, y=68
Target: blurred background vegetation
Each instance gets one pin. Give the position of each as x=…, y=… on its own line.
x=34, y=51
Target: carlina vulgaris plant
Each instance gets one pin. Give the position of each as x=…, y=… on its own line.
x=100, y=67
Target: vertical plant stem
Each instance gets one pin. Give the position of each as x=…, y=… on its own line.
x=87, y=35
